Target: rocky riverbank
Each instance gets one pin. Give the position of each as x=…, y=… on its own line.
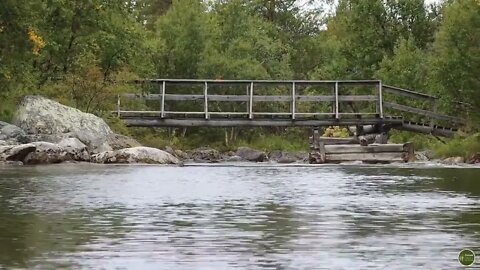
x=47, y=132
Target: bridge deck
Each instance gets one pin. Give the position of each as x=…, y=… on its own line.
x=346, y=102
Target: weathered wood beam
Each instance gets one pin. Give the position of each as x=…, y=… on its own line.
x=409, y=109
x=369, y=157
x=426, y=130
x=243, y=98
x=198, y=122
x=372, y=148
x=407, y=93
x=259, y=82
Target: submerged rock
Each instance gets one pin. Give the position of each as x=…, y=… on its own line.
x=234, y=159
x=282, y=157
x=205, y=155
x=46, y=153
x=251, y=154
x=133, y=155
x=474, y=159
x=16, y=152
x=453, y=160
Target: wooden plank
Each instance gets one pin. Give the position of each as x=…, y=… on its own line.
x=313, y=114
x=323, y=152
x=260, y=82
x=243, y=98
x=205, y=102
x=336, y=101
x=409, y=109
x=410, y=150
x=214, y=122
x=118, y=106
x=293, y=97
x=162, y=106
x=250, y=102
x=371, y=157
x=380, y=99
x=426, y=130
x=334, y=141
x=407, y=93
x=271, y=113
x=372, y=148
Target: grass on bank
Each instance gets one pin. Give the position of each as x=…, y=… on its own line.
x=290, y=140
x=462, y=144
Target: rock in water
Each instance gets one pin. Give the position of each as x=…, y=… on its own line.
x=136, y=155
x=453, y=160
x=205, y=155
x=46, y=153
x=251, y=154
x=75, y=149
x=282, y=157
x=475, y=159
x=16, y=152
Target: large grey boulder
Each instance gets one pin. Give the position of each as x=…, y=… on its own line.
x=11, y=134
x=47, y=120
x=251, y=154
x=75, y=149
x=146, y=155
x=16, y=152
x=39, y=115
x=46, y=153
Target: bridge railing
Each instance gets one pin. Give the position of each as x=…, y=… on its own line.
x=338, y=101
x=432, y=113
x=294, y=98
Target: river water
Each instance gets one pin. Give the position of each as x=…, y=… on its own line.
x=247, y=217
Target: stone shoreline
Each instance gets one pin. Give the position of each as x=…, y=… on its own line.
x=47, y=132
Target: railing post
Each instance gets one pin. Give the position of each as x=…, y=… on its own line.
x=248, y=101
x=380, y=99
x=250, y=104
x=205, y=94
x=118, y=105
x=337, y=114
x=292, y=108
x=434, y=109
x=162, y=104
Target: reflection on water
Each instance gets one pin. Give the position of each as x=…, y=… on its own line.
x=146, y=217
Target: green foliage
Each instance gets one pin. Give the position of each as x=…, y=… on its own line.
x=464, y=146
x=406, y=67
x=420, y=141
x=81, y=53
x=455, y=59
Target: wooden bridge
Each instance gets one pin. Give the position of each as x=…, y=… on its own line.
x=266, y=103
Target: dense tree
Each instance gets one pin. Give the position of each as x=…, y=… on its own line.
x=80, y=52
x=455, y=60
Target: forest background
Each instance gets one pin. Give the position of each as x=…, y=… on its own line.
x=84, y=53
